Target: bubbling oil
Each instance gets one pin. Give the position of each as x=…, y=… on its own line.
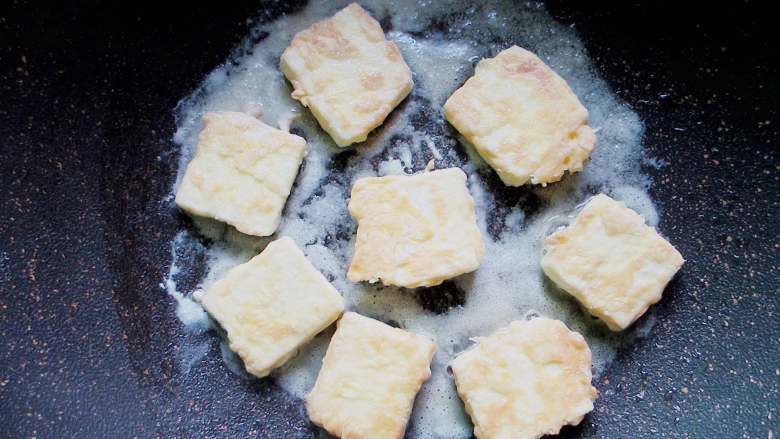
x=441, y=41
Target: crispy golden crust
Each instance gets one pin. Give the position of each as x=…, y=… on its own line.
x=526, y=380
x=369, y=379
x=611, y=261
x=414, y=230
x=523, y=119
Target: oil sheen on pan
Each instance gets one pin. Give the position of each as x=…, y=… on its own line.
x=510, y=284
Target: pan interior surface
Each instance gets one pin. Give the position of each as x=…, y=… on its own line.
x=441, y=41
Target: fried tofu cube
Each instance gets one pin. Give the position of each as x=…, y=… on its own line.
x=414, y=230
x=522, y=118
x=347, y=73
x=272, y=305
x=611, y=261
x=369, y=379
x=526, y=380
x=242, y=172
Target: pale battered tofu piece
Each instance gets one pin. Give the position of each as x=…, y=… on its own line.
x=242, y=172
x=414, y=230
x=272, y=305
x=526, y=380
x=611, y=261
x=369, y=379
x=347, y=73
x=523, y=119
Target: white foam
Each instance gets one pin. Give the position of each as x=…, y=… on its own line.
x=190, y=354
x=638, y=200
x=190, y=313
x=232, y=361
x=438, y=65
x=510, y=284
x=299, y=374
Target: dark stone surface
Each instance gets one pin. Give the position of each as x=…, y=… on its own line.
x=89, y=341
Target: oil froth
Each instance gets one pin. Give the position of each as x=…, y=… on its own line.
x=441, y=41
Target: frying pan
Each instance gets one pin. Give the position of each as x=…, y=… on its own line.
x=89, y=339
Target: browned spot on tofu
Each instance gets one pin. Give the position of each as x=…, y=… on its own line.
x=392, y=52
x=370, y=27
x=323, y=39
x=372, y=81
x=197, y=178
x=518, y=64
x=522, y=66
x=368, y=106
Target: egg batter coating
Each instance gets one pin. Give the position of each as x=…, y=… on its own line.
x=526, y=380
x=347, y=73
x=272, y=305
x=611, y=261
x=369, y=379
x=242, y=172
x=414, y=230
x=522, y=118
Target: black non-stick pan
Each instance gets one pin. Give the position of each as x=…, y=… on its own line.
x=89, y=341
